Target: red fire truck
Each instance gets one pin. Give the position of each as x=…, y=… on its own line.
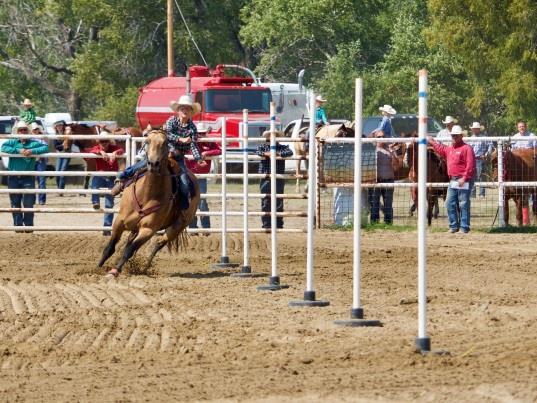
x=219, y=95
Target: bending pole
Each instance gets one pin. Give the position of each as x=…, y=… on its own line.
x=357, y=312
x=246, y=270
x=224, y=259
x=501, y=189
x=423, y=343
x=274, y=279
x=309, y=294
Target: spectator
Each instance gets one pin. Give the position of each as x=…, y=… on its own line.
x=62, y=146
x=461, y=167
x=444, y=135
x=387, y=164
x=523, y=132
x=108, y=163
x=207, y=150
x=27, y=148
x=41, y=165
x=263, y=150
x=320, y=114
x=27, y=112
x=482, y=150
x=385, y=125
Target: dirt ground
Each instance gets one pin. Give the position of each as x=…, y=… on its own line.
x=188, y=333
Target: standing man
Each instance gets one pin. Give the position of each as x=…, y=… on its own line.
x=263, y=150
x=320, y=113
x=444, y=135
x=482, y=150
x=207, y=150
x=62, y=146
x=41, y=165
x=27, y=148
x=460, y=160
x=385, y=125
x=524, y=134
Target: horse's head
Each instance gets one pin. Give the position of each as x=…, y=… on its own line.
x=156, y=150
x=345, y=131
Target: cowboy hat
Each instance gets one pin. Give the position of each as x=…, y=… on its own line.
x=21, y=124
x=35, y=126
x=186, y=100
x=27, y=102
x=319, y=98
x=202, y=127
x=388, y=109
x=449, y=119
x=456, y=130
x=476, y=125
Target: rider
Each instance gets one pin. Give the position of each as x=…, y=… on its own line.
x=182, y=137
x=320, y=114
x=385, y=125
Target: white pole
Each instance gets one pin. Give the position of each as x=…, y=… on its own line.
x=246, y=250
x=423, y=343
x=312, y=172
x=274, y=241
x=128, y=154
x=357, y=311
x=501, y=190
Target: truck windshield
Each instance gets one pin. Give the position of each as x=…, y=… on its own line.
x=235, y=100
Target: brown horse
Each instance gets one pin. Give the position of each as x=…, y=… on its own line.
x=520, y=165
x=436, y=173
x=149, y=205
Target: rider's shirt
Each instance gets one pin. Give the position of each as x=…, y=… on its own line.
x=176, y=130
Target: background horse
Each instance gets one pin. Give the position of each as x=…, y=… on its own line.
x=519, y=166
x=149, y=205
x=436, y=173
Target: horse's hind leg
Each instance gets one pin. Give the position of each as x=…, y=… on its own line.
x=130, y=249
x=117, y=230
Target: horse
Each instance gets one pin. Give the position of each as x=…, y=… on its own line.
x=436, y=173
x=323, y=132
x=149, y=205
x=519, y=166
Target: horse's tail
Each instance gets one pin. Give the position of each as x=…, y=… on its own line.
x=179, y=242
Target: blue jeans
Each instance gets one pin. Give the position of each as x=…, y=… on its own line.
x=264, y=187
x=22, y=200
x=130, y=171
x=107, y=182
x=203, y=206
x=459, y=218
x=61, y=165
x=387, y=202
x=41, y=165
x=479, y=164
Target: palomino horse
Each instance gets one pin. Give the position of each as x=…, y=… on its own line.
x=149, y=205
x=520, y=165
x=324, y=132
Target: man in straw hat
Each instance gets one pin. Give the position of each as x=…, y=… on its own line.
x=444, y=135
x=320, y=113
x=207, y=150
x=461, y=167
x=27, y=112
x=482, y=150
x=385, y=125
x=27, y=148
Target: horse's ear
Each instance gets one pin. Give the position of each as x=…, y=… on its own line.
x=149, y=127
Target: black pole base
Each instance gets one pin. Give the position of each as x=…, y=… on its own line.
x=423, y=344
x=309, y=300
x=224, y=264
x=357, y=320
x=246, y=272
x=273, y=285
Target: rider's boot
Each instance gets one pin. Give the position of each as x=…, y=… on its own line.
x=118, y=187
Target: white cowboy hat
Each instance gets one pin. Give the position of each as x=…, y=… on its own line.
x=388, y=109
x=449, y=119
x=319, y=98
x=456, y=130
x=202, y=127
x=21, y=124
x=35, y=126
x=186, y=100
x=476, y=125
x=27, y=102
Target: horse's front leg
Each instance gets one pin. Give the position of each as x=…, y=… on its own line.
x=117, y=230
x=130, y=249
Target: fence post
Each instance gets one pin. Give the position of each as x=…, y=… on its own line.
x=501, y=190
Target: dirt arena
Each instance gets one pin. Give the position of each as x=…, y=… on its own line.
x=187, y=333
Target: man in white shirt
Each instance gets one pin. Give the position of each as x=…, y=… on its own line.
x=522, y=133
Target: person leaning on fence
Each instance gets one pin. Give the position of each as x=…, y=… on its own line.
x=461, y=167
x=40, y=165
x=387, y=164
x=27, y=112
x=108, y=163
x=482, y=150
x=524, y=134
x=62, y=146
x=320, y=113
x=263, y=150
x=207, y=150
x=27, y=148
x=385, y=125
x=444, y=135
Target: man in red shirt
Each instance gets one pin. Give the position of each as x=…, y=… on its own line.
x=108, y=163
x=460, y=160
x=206, y=150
